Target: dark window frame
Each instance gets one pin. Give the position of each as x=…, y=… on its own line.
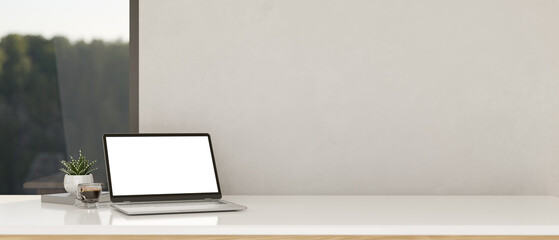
x=134, y=68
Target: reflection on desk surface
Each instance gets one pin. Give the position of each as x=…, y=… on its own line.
x=106, y=215
x=118, y=219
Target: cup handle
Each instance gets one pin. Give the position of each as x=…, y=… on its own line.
x=78, y=195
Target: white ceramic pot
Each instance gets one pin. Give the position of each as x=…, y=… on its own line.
x=71, y=182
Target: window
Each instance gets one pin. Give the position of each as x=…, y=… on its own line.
x=64, y=81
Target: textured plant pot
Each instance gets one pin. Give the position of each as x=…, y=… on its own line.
x=71, y=182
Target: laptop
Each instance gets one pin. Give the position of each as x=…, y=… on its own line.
x=163, y=173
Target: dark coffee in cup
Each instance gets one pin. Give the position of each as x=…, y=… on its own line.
x=90, y=195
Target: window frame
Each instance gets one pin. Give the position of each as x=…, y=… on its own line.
x=133, y=96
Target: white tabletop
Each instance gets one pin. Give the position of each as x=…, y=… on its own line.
x=293, y=215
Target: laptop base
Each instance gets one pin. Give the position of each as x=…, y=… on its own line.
x=167, y=207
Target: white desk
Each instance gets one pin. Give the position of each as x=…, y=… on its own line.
x=300, y=215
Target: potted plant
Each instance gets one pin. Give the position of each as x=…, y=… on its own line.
x=77, y=171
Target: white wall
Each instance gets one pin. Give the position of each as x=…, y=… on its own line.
x=360, y=96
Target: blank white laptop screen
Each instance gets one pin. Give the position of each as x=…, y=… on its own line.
x=151, y=165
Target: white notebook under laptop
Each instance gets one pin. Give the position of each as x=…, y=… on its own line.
x=163, y=173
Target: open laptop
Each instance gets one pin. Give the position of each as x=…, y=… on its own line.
x=163, y=173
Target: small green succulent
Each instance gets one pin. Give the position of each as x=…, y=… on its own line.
x=82, y=166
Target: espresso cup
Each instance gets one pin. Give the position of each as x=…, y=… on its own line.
x=88, y=194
